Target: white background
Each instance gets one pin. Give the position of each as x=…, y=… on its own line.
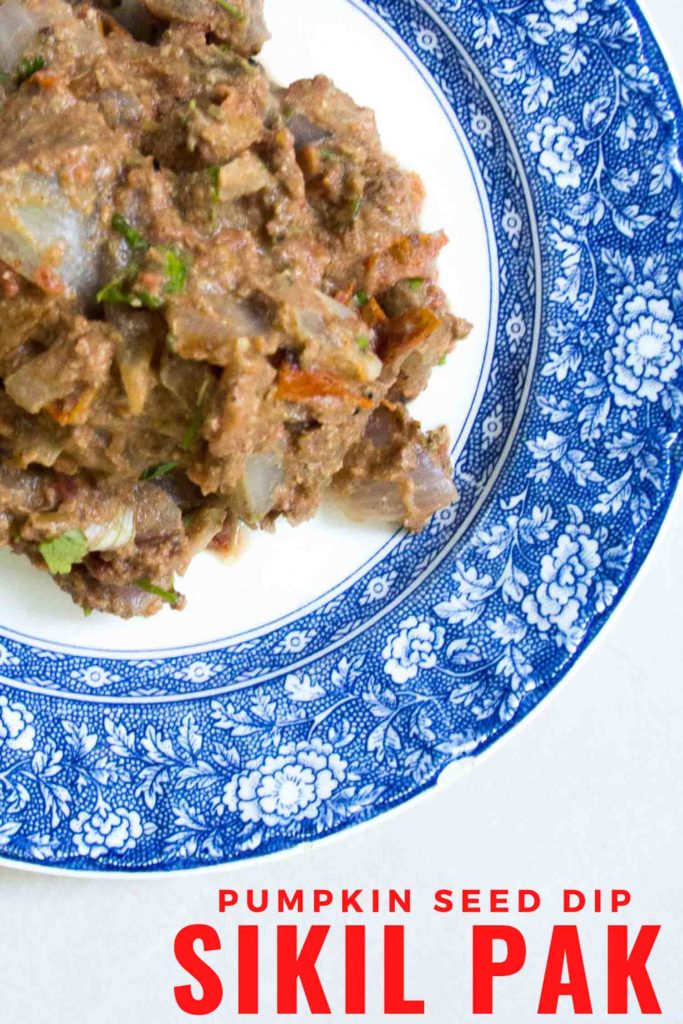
x=589, y=793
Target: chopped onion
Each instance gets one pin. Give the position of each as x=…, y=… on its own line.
x=390, y=501
x=18, y=29
x=117, y=533
x=373, y=501
x=177, y=10
x=120, y=109
x=134, y=353
x=134, y=16
x=257, y=32
x=37, y=221
x=156, y=514
x=41, y=449
x=339, y=332
x=389, y=493
x=201, y=325
x=20, y=24
x=206, y=524
x=336, y=308
x=432, y=485
x=263, y=474
x=137, y=601
x=242, y=177
x=305, y=132
x=310, y=323
x=249, y=26
x=381, y=428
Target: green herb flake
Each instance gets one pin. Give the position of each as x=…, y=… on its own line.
x=215, y=179
x=163, y=469
x=131, y=237
x=415, y=283
x=122, y=291
x=193, y=430
x=442, y=361
x=233, y=11
x=177, y=271
x=356, y=208
x=62, y=553
x=169, y=596
x=141, y=299
x=363, y=342
x=360, y=298
x=114, y=293
x=28, y=67
x=87, y=612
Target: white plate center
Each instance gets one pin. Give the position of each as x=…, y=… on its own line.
x=278, y=575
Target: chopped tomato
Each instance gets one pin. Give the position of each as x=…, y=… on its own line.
x=49, y=281
x=372, y=313
x=345, y=296
x=45, y=79
x=409, y=256
x=9, y=282
x=294, y=385
x=71, y=410
x=403, y=333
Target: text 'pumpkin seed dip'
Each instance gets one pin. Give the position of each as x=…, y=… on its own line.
x=215, y=298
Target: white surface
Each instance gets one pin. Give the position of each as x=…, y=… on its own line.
x=588, y=794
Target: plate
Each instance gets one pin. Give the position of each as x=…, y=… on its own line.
x=335, y=671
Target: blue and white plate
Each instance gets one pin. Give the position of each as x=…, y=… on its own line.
x=334, y=671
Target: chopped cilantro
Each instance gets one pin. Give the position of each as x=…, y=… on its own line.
x=28, y=67
x=62, y=553
x=131, y=237
x=442, y=361
x=122, y=290
x=360, y=298
x=118, y=292
x=169, y=596
x=233, y=11
x=87, y=612
x=193, y=430
x=195, y=425
x=114, y=294
x=140, y=298
x=176, y=269
x=215, y=178
x=363, y=342
x=154, y=472
x=356, y=208
x=415, y=283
